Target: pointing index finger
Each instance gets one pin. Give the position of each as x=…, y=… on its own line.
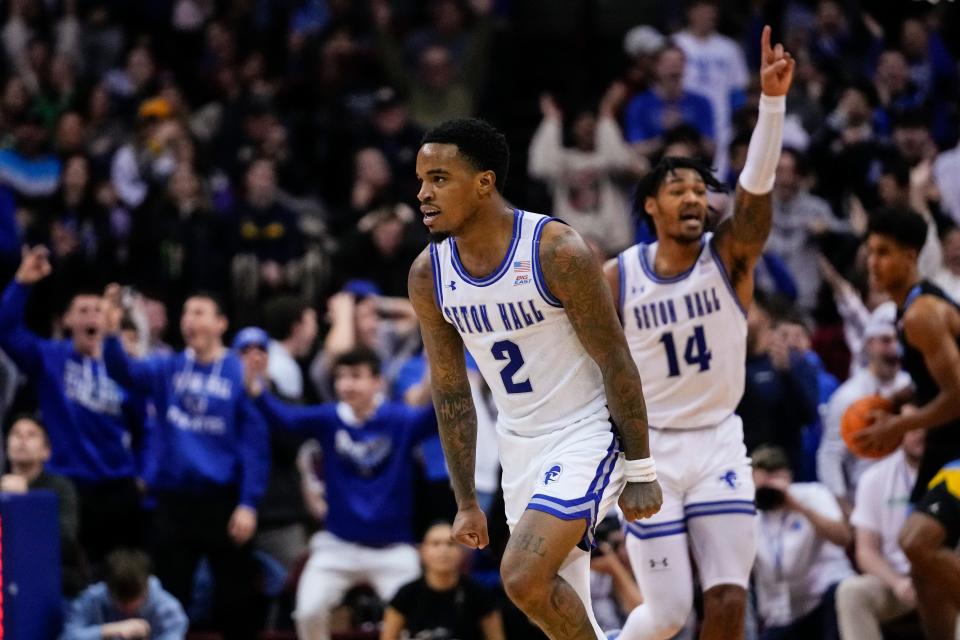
x=765, y=49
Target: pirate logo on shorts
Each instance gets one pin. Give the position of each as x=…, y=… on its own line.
x=730, y=479
x=552, y=474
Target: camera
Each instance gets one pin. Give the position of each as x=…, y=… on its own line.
x=769, y=498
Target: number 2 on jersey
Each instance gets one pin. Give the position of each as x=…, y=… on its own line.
x=695, y=353
x=509, y=351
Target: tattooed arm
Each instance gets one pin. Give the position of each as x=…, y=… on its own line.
x=452, y=400
x=574, y=276
x=740, y=239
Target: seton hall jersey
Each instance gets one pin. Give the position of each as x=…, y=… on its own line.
x=541, y=377
x=688, y=336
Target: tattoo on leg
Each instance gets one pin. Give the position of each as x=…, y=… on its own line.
x=531, y=544
x=570, y=613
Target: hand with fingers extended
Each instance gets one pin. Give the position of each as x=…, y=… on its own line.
x=776, y=66
x=112, y=308
x=549, y=107
x=470, y=527
x=640, y=500
x=34, y=266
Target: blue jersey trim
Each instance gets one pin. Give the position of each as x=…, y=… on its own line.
x=559, y=513
x=717, y=503
x=726, y=278
x=622, y=303
x=660, y=525
x=538, y=277
x=650, y=273
x=437, y=285
x=635, y=530
x=602, y=465
x=914, y=293
x=504, y=265
x=611, y=462
x=575, y=502
x=744, y=511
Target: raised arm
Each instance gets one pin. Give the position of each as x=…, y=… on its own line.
x=740, y=238
x=22, y=345
x=453, y=401
x=142, y=375
x=254, y=447
x=574, y=276
x=290, y=417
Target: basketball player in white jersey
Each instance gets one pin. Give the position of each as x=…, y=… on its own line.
x=526, y=296
x=683, y=302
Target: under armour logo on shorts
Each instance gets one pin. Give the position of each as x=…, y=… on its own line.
x=659, y=565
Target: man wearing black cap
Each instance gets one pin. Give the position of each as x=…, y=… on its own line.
x=395, y=135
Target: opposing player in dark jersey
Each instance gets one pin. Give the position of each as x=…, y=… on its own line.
x=929, y=328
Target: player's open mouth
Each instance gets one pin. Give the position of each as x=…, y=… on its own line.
x=90, y=331
x=429, y=213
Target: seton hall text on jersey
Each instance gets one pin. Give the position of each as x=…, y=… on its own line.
x=509, y=316
x=653, y=315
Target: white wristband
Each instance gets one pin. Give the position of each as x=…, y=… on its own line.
x=763, y=154
x=642, y=470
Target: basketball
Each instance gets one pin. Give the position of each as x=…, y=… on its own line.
x=857, y=417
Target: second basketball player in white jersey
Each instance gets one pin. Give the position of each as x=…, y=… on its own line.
x=682, y=301
x=526, y=296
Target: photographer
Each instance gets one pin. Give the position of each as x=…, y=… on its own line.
x=800, y=556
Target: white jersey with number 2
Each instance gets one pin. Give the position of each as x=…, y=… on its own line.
x=541, y=376
x=688, y=336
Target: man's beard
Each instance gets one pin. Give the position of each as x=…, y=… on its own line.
x=436, y=237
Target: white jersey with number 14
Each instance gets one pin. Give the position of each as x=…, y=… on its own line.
x=688, y=336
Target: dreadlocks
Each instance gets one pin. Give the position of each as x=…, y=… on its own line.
x=650, y=183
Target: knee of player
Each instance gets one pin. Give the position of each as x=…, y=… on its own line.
x=676, y=615
x=918, y=539
x=725, y=599
x=525, y=587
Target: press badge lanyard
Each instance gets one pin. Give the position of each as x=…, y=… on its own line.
x=779, y=598
x=777, y=546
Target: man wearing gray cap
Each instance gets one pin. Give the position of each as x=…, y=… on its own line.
x=837, y=467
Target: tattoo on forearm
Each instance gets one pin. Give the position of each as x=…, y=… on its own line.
x=452, y=399
x=530, y=543
x=457, y=419
x=574, y=276
x=752, y=216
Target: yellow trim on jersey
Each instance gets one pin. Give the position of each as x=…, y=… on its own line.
x=950, y=475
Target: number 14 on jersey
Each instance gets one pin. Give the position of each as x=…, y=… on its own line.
x=695, y=352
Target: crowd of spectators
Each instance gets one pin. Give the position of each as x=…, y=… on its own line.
x=251, y=164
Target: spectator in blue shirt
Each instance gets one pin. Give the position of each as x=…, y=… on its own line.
x=781, y=391
x=369, y=471
x=212, y=459
x=666, y=105
x=91, y=420
x=128, y=604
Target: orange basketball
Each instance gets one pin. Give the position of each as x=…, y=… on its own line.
x=857, y=417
